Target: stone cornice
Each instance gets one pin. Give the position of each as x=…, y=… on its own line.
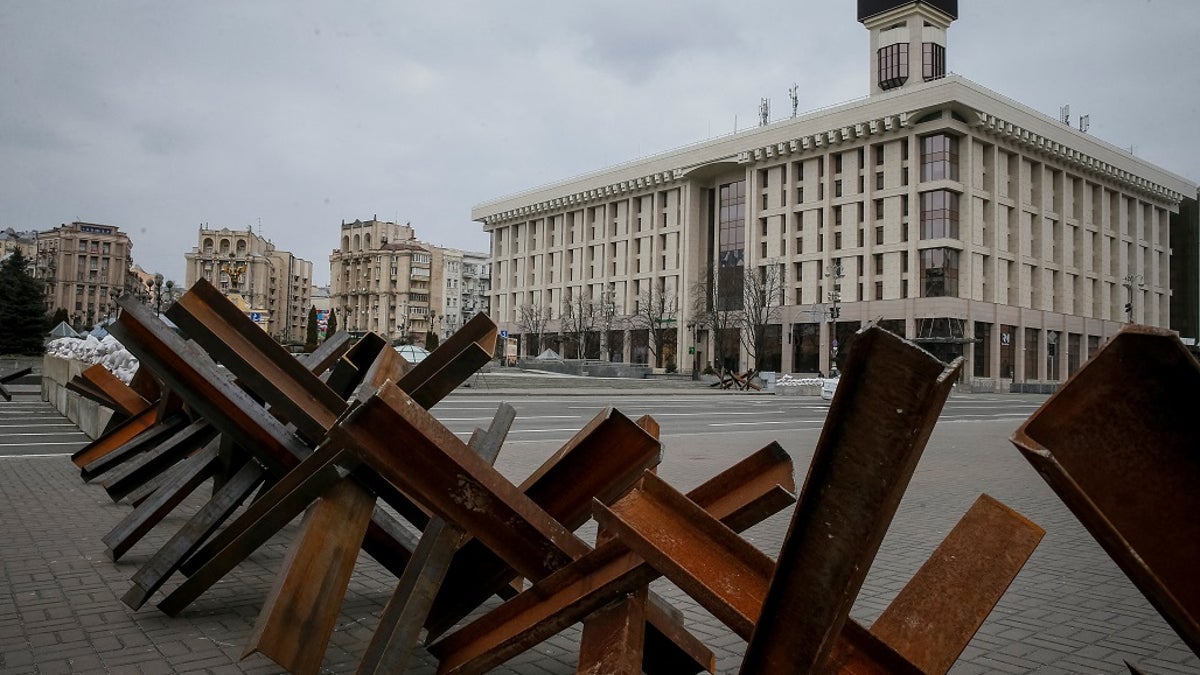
x=604, y=193
x=831, y=138
x=1031, y=141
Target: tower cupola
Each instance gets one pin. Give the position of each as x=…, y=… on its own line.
x=908, y=40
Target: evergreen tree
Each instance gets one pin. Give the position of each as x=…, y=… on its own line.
x=22, y=309
x=332, y=326
x=60, y=315
x=431, y=340
x=310, y=336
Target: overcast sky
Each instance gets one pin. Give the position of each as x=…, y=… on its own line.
x=290, y=116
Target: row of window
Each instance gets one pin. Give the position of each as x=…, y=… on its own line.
x=893, y=63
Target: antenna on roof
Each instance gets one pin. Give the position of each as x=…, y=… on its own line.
x=1084, y=122
x=1064, y=114
x=764, y=112
x=794, y=93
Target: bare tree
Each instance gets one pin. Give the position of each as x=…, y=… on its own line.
x=578, y=321
x=532, y=320
x=711, y=310
x=762, y=295
x=656, y=311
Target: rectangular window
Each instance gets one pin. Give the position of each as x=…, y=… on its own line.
x=879, y=235
x=893, y=65
x=879, y=155
x=837, y=188
x=939, y=215
x=837, y=163
x=878, y=209
x=933, y=61
x=878, y=180
x=939, y=157
x=939, y=273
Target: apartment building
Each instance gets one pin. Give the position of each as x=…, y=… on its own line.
x=85, y=268
x=25, y=242
x=465, y=282
x=942, y=210
x=273, y=287
x=384, y=280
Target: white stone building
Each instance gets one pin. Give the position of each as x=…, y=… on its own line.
x=950, y=214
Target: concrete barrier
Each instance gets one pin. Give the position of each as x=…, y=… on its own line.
x=91, y=417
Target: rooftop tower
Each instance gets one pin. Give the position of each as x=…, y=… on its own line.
x=908, y=40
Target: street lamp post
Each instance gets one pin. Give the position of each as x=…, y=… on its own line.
x=1132, y=281
x=835, y=272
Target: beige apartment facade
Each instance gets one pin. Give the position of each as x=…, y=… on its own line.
x=944, y=211
x=273, y=287
x=85, y=269
x=384, y=280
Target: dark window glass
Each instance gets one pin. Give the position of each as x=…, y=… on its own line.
x=939, y=215
x=893, y=65
x=939, y=273
x=939, y=157
x=933, y=61
x=732, y=244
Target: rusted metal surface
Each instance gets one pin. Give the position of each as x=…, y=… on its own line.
x=151, y=576
x=256, y=359
x=441, y=472
x=400, y=624
x=162, y=430
x=329, y=352
x=455, y=360
x=601, y=461
x=100, y=385
x=1119, y=445
x=759, y=484
x=136, y=472
x=668, y=530
x=938, y=612
x=268, y=514
x=292, y=628
x=183, y=479
x=116, y=438
x=889, y=399
x=614, y=637
x=190, y=372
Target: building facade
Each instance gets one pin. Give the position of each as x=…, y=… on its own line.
x=272, y=286
x=25, y=242
x=383, y=280
x=85, y=268
x=465, y=282
x=944, y=211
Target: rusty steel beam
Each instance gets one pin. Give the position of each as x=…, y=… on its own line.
x=564, y=486
x=614, y=637
x=455, y=360
x=162, y=430
x=759, y=485
x=291, y=629
x=256, y=359
x=937, y=613
x=347, y=373
x=151, y=576
x=190, y=373
x=183, y=479
x=727, y=575
x=136, y=472
x=889, y=399
x=9, y=377
x=264, y=517
x=443, y=474
x=119, y=436
x=100, y=381
x=400, y=624
x=1118, y=444
x=327, y=354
